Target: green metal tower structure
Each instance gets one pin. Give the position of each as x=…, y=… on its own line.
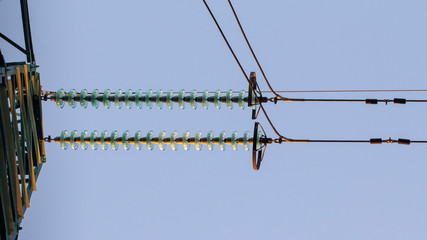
x=21, y=132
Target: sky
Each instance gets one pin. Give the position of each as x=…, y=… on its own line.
x=302, y=191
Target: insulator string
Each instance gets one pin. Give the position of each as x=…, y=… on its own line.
x=151, y=98
x=105, y=140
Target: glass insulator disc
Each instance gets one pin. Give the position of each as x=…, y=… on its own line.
x=148, y=141
x=228, y=97
x=83, y=95
x=58, y=98
x=159, y=103
x=241, y=98
x=125, y=141
x=161, y=144
x=148, y=102
x=128, y=103
x=193, y=102
x=93, y=143
x=197, y=143
x=181, y=96
x=106, y=98
x=73, y=138
x=216, y=99
x=169, y=96
x=71, y=95
x=104, y=144
x=233, y=140
x=172, y=140
x=185, y=143
x=221, y=141
x=93, y=98
x=138, y=95
x=83, y=144
x=205, y=99
x=137, y=143
x=117, y=99
x=245, y=140
x=62, y=139
x=114, y=143
x=209, y=139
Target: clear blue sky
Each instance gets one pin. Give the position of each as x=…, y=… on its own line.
x=303, y=191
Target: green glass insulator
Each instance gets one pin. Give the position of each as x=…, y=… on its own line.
x=71, y=95
x=114, y=144
x=245, y=140
x=149, y=143
x=62, y=141
x=93, y=143
x=125, y=142
x=58, y=98
x=205, y=99
x=169, y=96
x=221, y=141
x=83, y=143
x=258, y=138
x=228, y=97
x=128, y=103
x=117, y=96
x=138, y=94
x=233, y=140
x=159, y=94
x=181, y=96
x=197, y=143
x=161, y=144
x=104, y=135
x=138, y=144
x=83, y=95
x=217, y=95
x=73, y=138
x=209, y=139
x=148, y=102
x=185, y=143
x=105, y=98
x=242, y=95
x=193, y=102
x=93, y=98
x=172, y=140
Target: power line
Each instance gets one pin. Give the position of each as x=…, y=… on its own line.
x=252, y=51
x=243, y=71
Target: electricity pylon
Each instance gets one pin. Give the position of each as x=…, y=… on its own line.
x=22, y=152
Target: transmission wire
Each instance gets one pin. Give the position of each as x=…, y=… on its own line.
x=243, y=71
x=252, y=51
